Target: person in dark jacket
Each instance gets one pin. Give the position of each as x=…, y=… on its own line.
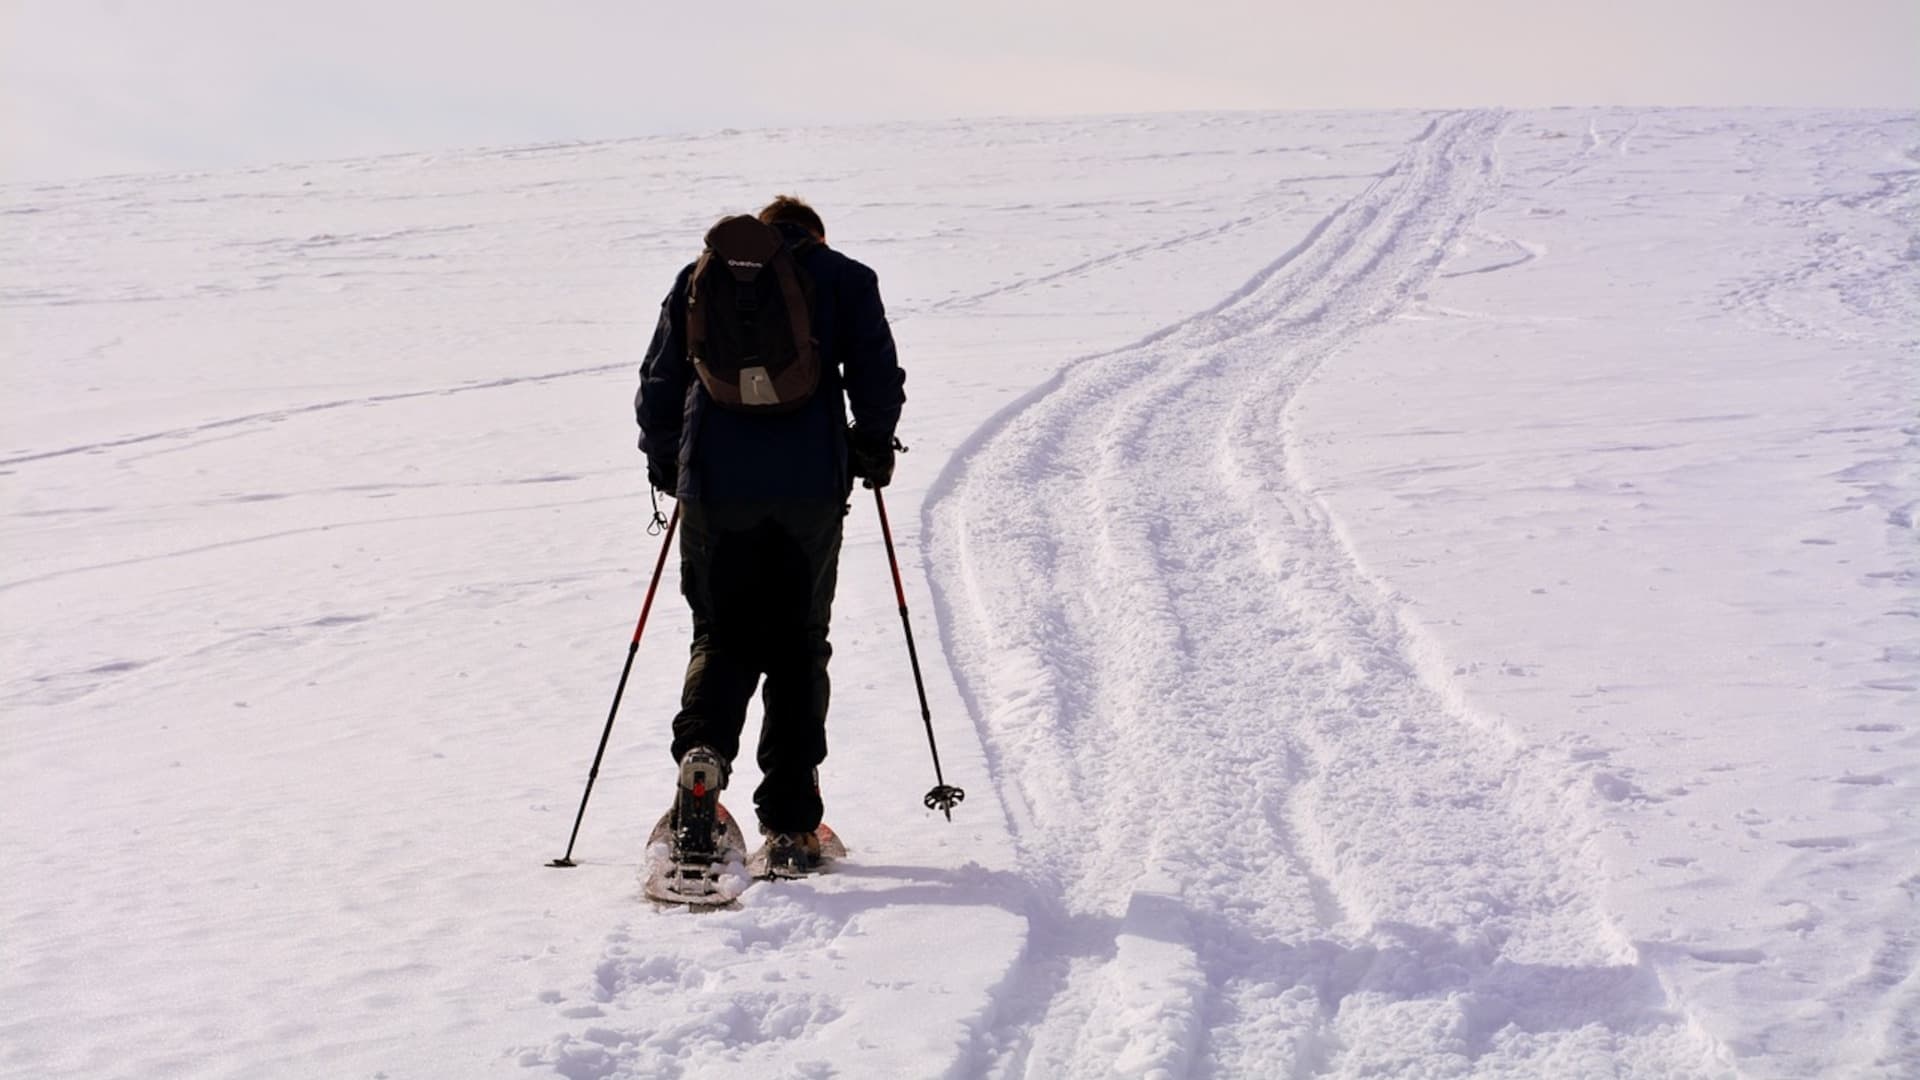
x=762, y=501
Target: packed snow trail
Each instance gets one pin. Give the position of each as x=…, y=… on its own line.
x=1267, y=839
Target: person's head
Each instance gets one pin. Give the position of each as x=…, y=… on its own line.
x=786, y=208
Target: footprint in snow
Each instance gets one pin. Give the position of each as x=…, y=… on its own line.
x=1728, y=956
x=1820, y=843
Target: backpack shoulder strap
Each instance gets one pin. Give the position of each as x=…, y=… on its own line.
x=798, y=314
x=696, y=315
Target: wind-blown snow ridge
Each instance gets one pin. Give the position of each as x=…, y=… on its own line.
x=1209, y=734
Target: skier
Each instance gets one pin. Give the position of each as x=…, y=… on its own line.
x=763, y=462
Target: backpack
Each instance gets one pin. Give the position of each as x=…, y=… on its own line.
x=749, y=327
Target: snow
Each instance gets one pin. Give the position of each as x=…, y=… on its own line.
x=1406, y=595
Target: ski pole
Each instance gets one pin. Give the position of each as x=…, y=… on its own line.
x=665, y=546
x=943, y=797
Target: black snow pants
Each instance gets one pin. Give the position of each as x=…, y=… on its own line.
x=759, y=577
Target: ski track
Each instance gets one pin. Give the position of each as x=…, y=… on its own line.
x=1100, y=262
x=274, y=416
x=1252, y=833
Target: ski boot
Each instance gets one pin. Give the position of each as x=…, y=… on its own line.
x=791, y=855
x=796, y=855
x=697, y=827
x=695, y=854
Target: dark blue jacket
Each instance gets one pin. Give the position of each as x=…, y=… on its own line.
x=725, y=455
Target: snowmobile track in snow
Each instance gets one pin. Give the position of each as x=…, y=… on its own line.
x=1257, y=834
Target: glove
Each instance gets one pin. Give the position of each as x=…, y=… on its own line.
x=870, y=457
x=663, y=472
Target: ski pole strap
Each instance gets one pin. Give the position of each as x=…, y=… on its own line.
x=666, y=545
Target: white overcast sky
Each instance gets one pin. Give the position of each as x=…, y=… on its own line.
x=95, y=86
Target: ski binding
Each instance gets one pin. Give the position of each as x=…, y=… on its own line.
x=697, y=879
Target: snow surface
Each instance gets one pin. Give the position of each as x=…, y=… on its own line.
x=1407, y=595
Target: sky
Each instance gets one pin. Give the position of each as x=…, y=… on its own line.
x=104, y=86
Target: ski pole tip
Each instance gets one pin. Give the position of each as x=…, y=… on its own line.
x=563, y=862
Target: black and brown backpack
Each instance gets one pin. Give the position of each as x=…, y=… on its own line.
x=749, y=326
